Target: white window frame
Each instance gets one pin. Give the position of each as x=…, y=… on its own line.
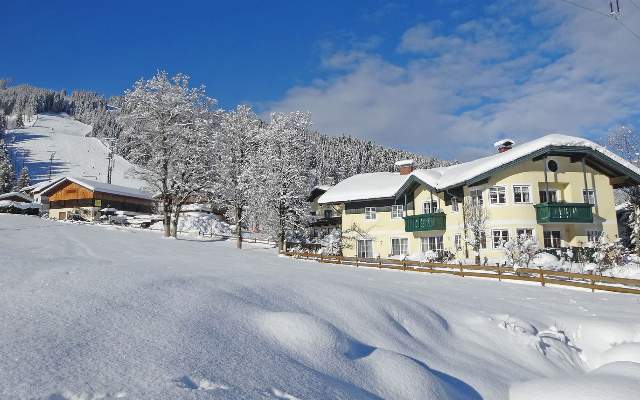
x=593, y=235
x=437, y=245
x=591, y=194
x=366, y=248
x=473, y=196
x=457, y=242
x=544, y=244
x=394, y=211
x=433, y=206
x=455, y=206
x=520, y=187
x=497, y=187
x=403, y=244
x=519, y=231
x=501, y=230
x=370, y=213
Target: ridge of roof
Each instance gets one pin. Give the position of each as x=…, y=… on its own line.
x=102, y=187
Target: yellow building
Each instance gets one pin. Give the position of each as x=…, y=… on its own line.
x=558, y=189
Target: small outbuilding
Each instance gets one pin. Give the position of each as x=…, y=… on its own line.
x=77, y=197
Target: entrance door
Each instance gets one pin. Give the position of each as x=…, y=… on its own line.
x=365, y=248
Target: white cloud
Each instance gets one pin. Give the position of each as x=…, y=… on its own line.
x=457, y=92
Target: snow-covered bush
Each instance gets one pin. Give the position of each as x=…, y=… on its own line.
x=608, y=254
x=634, y=224
x=332, y=243
x=429, y=256
x=520, y=251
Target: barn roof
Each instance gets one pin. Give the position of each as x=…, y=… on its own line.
x=101, y=187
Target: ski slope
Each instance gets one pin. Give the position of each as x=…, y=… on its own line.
x=91, y=312
x=75, y=154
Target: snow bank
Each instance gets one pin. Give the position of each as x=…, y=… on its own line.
x=199, y=223
x=89, y=311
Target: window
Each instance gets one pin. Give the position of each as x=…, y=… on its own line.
x=553, y=196
x=521, y=194
x=328, y=213
x=498, y=195
x=431, y=243
x=454, y=204
x=524, y=231
x=552, y=166
x=593, y=236
x=399, y=247
x=552, y=239
x=589, y=196
x=500, y=236
x=457, y=242
x=430, y=207
x=369, y=213
x=365, y=248
x=483, y=240
x=397, y=211
x=476, y=197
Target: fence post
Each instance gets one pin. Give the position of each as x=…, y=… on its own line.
x=321, y=256
x=499, y=273
x=593, y=284
x=404, y=265
x=461, y=269
x=431, y=268
x=379, y=262
x=541, y=276
x=356, y=261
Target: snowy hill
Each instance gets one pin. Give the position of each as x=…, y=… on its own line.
x=89, y=312
x=75, y=154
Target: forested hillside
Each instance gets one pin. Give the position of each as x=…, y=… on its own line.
x=333, y=157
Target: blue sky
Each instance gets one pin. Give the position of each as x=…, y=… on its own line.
x=436, y=77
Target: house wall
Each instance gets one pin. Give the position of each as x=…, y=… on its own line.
x=568, y=180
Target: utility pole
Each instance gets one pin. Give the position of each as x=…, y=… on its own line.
x=110, y=158
x=51, y=163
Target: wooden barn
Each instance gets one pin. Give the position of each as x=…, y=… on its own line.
x=72, y=197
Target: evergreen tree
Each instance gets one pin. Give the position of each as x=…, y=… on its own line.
x=24, y=179
x=19, y=121
x=7, y=174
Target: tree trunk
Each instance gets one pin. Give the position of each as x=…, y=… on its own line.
x=174, y=222
x=239, y=226
x=166, y=204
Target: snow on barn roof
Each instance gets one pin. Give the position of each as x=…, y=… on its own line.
x=11, y=195
x=375, y=185
x=40, y=186
x=371, y=186
x=103, y=187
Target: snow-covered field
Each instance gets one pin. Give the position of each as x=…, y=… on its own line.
x=90, y=312
x=75, y=154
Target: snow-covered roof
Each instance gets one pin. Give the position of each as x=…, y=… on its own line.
x=40, y=186
x=10, y=195
x=386, y=185
x=375, y=185
x=103, y=188
x=401, y=163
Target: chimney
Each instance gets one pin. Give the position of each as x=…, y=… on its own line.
x=504, y=145
x=405, y=166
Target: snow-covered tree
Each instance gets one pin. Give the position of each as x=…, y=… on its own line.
x=332, y=243
x=234, y=168
x=3, y=123
x=475, y=222
x=520, y=251
x=284, y=182
x=163, y=121
x=19, y=121
x=24, y=179
x=7, y=173
x=608, y=254
x=634, y=224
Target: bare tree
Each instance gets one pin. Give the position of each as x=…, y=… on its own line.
x=476, y=216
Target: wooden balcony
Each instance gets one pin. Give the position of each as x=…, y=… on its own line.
x=564, y=213
x=425, y=222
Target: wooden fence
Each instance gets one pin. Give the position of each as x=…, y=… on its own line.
x=543, y=276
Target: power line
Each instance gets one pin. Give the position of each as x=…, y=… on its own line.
x=603, y=14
